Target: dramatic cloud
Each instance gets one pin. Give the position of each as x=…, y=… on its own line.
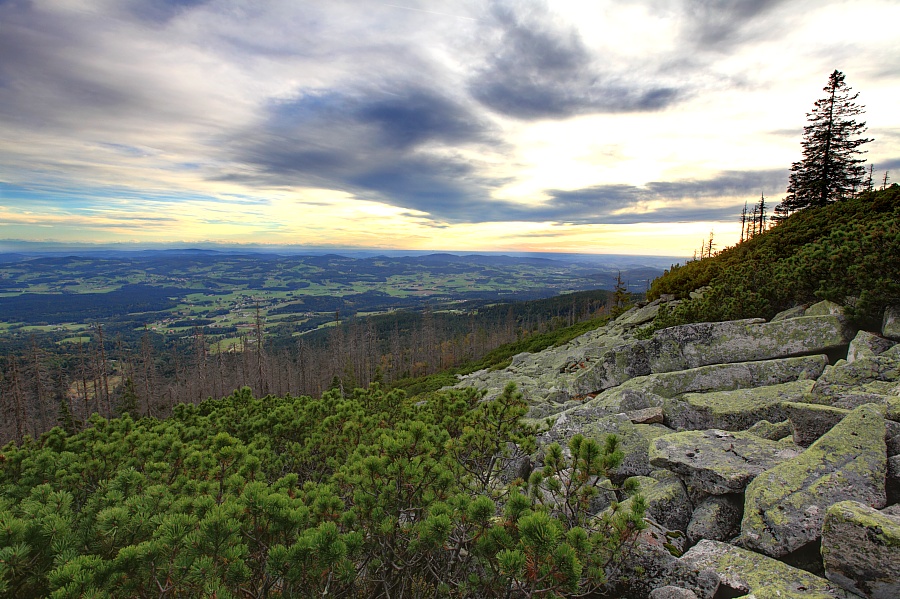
x=557, y=126
x=539, y=68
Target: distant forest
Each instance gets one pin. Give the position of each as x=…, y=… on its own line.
x=43, y=385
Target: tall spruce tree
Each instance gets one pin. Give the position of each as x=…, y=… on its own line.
x=831, y=169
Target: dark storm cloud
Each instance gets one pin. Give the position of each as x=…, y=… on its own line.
x=718, y=23
x=397, y=147
x=683, y=200
x=538, y=69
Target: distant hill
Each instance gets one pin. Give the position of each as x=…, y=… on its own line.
x=846, y=252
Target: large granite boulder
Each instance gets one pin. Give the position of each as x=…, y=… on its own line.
x=705, y=379
x=746, y=572
x=717, y=518
x=868, y=379
x=718, y=462
x=811, y=421
x=650, y=564
x=667, y=501
x=702, y=344
x=890, y=326
x=734, y=410
x=861, y=550
x=867, y=345
x=785, y=506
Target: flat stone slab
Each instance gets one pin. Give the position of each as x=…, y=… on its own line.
x=861, y=550
x=734, y=410
x=784, y=507
x=715, y=461
x=747, y=572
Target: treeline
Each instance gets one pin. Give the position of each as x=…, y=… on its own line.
x=845, y=252
x=42, y=386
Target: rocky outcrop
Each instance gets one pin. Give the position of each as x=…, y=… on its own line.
x=746, y=443
x=746, y=572
x=785, y=506
x=718, y=462
x=861, y=550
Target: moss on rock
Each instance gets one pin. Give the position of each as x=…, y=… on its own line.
x=785, y=506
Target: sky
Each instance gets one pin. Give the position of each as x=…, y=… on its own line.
x=605, y=126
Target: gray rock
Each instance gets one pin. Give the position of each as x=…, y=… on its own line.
x=718, y=462
x=718, y=518
x=794, y=312
x=890, y=326
x=743, y=571
x=667, y=501
x=785, y=506
x=650, y=565
x=772, y=431
x=824, y=308
x=867, y=345
x=645, y=416
x=861, y=550
x=670, y=592
x=869, y=379
x=811, y=421
x=633, y=444
x=733, y=410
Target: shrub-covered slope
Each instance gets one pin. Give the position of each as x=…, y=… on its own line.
x=847, y=252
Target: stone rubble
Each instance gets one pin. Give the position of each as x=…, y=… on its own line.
x=746, y=439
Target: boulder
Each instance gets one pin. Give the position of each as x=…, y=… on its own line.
x=705, y=379
x=718, y=462
x=667, y=501
x=590, y=424
x=646, y=416
x=785, y=506
x=861, y=550
x=746, y=572
x=890, y=326
x=705, y=343
x=824, y=308
x=794, y=312
x=717, y=518
x=868, y=379
x=670, y=592
x=772, y=431
x=734, y=410
x=811, y=421
x=867, y=345
x=651, y=565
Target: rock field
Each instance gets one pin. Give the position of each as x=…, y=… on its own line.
x=769, y=452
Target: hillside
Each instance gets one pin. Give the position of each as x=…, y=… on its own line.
x=846, y=252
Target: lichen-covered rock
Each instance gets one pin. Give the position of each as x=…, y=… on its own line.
x=718, y=462
x=670, y=592
x=646, y=416
x=733, y=410
x=811, y=421
x=744, y=571
x=869, y=379
x=785, y=506
x=667, y=501
x=705, y=343
x=824, y=308
x=861, y=550
x=650, y=565
x=794, y=312
x=634, y=445
x=705, y=379
x=772, y=431
x=867, y=345
x=717, y=518
x=890, y=326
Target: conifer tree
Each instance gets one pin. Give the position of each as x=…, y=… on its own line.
x=830, y=169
